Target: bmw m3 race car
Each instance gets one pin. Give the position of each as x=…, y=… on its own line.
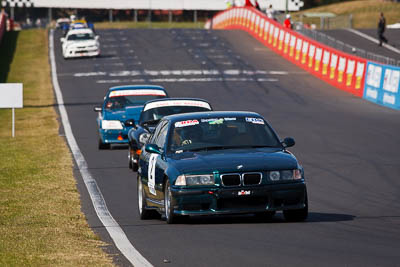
x=121, y=107
x=211, y=163
x=80, y=43
x=152, y=113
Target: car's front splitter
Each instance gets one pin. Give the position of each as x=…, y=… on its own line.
x=76, y=54
x=239, y=200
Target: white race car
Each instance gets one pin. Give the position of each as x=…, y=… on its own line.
x=80, y=43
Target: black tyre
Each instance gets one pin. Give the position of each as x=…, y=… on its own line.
x=130, y=157
x=144, y=214
x=170, y=217
x=103, y=145
x=297, y=215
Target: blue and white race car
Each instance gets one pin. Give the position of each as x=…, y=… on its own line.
x=122, y=106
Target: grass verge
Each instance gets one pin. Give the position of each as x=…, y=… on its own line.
x=41, y=223
x=365, y=12
x=147, y=25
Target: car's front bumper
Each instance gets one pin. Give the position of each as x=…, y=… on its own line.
x=254, y=199
x=82, y=53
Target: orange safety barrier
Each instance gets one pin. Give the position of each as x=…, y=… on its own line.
x=339, y=69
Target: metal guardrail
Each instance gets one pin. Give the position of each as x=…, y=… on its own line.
x=339, y=45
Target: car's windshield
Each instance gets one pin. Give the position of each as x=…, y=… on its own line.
x=81, y=37
x=221, y=133
x=156, y=114
x=118, y=102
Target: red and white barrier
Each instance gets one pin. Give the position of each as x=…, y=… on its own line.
x=2, y=25
x=339, y=69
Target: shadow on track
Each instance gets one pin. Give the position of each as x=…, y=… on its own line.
x=313, y=217
x=92, y=104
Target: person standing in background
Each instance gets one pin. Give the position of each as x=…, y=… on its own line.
x=270, y=12
x=381, y=29
x=287, y=23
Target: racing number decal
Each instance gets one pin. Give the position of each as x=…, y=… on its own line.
x=152, y=173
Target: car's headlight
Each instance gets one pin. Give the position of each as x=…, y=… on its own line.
x=111, y=125
x=274, y=175
x=200, y=179
x=285, y=175
x=143, y=138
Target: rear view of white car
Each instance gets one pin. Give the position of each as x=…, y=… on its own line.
x=80, y=43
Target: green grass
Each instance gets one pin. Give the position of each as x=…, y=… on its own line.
x=148, y=25
x=365, y=12
x=41, y=223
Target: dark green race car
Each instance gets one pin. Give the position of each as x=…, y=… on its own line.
x=211, y=163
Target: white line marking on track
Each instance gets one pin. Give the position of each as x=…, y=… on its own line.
x=374, y=40
x=175, y=80
x=117, y=234
x=201, y=72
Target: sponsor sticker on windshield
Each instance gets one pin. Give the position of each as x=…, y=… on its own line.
x=137, y=92
x=217, y=121
x=255, y=120
x=180, y=102
x=179, y=124
x=230, y=119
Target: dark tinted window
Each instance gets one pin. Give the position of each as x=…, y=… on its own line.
x=221, y=133
x=158, y=113
x=119, y=102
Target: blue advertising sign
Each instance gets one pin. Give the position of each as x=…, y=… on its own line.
x=382, y=85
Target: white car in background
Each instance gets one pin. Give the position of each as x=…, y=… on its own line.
x=80, y=43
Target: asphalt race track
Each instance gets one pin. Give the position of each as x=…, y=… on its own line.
x=350, y=149
x=393, y=35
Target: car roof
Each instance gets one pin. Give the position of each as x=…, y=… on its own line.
x=210, y=115
x=134, y=87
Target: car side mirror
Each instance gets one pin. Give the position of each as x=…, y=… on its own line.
x=98, y=109
x=130, y=123
x=152, y=148
x=97, y=37
x=62, y=39
x=288, y=142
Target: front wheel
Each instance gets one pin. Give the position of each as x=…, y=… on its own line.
x=132, y=164
x=297, y=215
x=144, y=214
x=170, y=217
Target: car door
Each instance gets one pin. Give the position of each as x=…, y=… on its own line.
x=153, y=164
x=160, y=162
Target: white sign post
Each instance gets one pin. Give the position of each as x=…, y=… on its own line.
x=11, y=96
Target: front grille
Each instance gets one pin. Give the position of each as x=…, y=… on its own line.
x=230, y=179
x=252, y=178
x=245, y=179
